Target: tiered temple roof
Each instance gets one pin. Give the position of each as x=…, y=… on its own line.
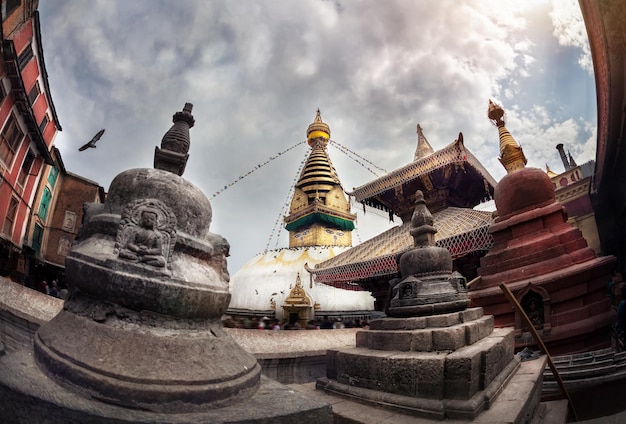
x=460, y=230
x=453, y=181
x=451, y=176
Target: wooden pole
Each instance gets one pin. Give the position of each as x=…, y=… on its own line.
x=542, y=346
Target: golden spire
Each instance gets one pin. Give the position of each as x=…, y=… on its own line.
x=318, y=129
x=550, y=172
x=511, y=154
x=423, y=146
x=319, y=213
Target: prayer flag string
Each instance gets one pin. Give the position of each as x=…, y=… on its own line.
x=350, y=154
x=257, y=167
x=286, y=203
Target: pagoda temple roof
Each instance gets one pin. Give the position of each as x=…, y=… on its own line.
x=460, y=230
x=451, y=176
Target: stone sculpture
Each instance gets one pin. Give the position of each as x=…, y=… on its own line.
x=147, y=232
x=141, y=338
x=432, y=356
x=428, y=285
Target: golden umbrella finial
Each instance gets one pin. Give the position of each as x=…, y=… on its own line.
x=317, y=129
x=511, y=154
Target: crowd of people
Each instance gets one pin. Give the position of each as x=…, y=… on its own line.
x=267, y=323
x=52, y=289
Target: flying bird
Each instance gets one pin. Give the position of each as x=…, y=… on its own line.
x=92, y=142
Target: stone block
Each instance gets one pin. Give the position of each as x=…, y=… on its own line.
x=498, y=353
x=415, y=323
x=450, y=338
x=471, y=314
x=478, y=329
x=399, y=376
x=394, y=324
x=443, y=320
x=360, y=367
x=362, y=338
x=376, y=324
x=430, y=375
x=331, y=365
x=464, y=364
x=422, y=341
x=463, y=371
x=460, y=389
x=390, y=340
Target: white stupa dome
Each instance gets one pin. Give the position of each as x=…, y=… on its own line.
x=272, y=275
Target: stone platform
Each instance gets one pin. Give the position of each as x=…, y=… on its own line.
x=517, y=403
x=441, y=366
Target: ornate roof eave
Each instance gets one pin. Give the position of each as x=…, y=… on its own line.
x=318, y=208
x=44, y=71
x=377, y=256
x=454, y=153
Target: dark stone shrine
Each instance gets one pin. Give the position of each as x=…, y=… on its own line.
x=140, y=339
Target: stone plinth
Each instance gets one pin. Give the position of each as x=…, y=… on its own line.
x=440, y=366
x=29, y=396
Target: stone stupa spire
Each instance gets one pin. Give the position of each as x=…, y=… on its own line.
x=174, y=151
x=511, y=154
x=428, y=284
x=423, y=146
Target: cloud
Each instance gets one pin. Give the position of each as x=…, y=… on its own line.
x=569, y=29
x=257, y=71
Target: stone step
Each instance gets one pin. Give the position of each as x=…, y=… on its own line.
x=432, y=338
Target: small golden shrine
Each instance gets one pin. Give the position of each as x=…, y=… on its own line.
x=298, y=306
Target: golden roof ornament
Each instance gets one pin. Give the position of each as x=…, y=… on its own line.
x=423, y=146
x=298, y=296
x=511, y=154
x=318, y=129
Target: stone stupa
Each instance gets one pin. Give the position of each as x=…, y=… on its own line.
x=543, y=259
x=140, y=339
x=432, y=356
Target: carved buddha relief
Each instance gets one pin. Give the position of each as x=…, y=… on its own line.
x=147, y=233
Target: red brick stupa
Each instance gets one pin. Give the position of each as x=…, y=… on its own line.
x=544, y=261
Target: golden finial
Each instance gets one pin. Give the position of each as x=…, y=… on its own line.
x=550, y=172
x=511, y=154
x=423, y=146
x=317, y=129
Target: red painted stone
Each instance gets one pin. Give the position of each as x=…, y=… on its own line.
x=538, y=253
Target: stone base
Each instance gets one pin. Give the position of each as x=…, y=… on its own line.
x=29, y=396
x=517, y=402
x=441, y=366
x=434, y=408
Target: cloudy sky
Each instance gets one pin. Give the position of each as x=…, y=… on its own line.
x=256, y=72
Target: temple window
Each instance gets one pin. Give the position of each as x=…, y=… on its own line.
x=10, y=140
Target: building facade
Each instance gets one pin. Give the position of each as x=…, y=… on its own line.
x=57, y=215
x=28, y=126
